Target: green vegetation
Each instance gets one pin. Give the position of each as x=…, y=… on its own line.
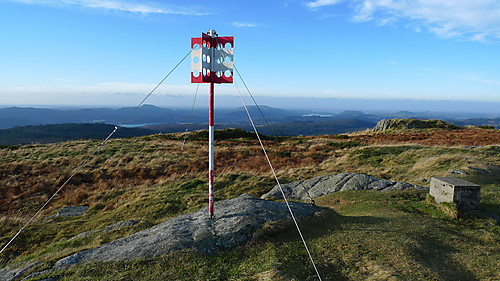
x=346, y=144
x=488, y=127
x=359, y=235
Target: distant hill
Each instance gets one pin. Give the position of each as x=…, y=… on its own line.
x=149, y=114
x=31, y=125
x=64, y=132
x=331, y=127
x=495, y=122
x=20, y=116
x=270, y=113
x=359, y=115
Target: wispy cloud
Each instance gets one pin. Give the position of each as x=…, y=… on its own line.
x=243, y=24
x=120, y=6
x=477, y=20
x=320, y=3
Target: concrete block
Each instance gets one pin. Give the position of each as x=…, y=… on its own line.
x=465, y=194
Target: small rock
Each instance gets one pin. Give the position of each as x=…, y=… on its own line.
x=458, y=172
x=74, y=211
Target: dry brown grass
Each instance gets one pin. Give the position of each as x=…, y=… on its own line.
x=30, y=174
x=433, y=137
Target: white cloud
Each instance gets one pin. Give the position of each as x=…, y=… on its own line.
x=242, y=24
x=113, y=5
x=320, y=3
x=477, y=20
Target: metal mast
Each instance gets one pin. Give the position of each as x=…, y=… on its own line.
x=211, y=62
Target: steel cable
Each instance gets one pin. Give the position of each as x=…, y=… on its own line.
x=278, y=182
x=98, y=148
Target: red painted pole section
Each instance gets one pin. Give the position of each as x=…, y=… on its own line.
x=211, y=151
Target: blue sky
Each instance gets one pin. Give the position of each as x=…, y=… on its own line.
x=107, y=52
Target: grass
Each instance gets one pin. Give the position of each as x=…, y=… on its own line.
x=358, y=236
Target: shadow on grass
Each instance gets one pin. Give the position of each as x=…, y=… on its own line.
x=439, y=258
x=323, y=223
x=291, y=249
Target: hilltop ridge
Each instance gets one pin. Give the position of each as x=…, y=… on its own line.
x=407, y=124
x=358, y=235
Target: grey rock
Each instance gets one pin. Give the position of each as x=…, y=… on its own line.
x=16, y=271
x=473, y=147
x=405, y=124
x=323, y=185
x=379, y=184
x=458, y=172
x=84, y=234
x=235, y=222
x=382, y=125
x=400, y=186
x=73, y=211
x=115, y=226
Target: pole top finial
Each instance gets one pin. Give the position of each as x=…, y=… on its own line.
x=212, y=33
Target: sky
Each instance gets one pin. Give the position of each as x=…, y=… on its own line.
x=113, y=53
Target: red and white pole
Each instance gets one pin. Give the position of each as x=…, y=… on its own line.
x=211, y=151
x=211, y=62
x=211, y=132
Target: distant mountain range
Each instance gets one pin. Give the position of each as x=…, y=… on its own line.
x=19, y=125
x=148, y=114
x=64, y=132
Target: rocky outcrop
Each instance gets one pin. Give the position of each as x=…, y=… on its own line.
x=72, y=211
x=115, y=226
x=235, y=222
x=406, y=124
x=16, y=271
x=323, y=185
